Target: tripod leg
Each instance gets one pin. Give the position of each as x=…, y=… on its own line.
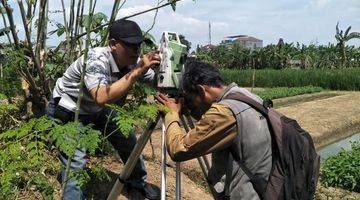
x=178, y=182
x=163, y=162
x=134, y=156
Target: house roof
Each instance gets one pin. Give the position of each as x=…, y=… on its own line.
x=236, y=36
x=244, y=38
x=208, y=46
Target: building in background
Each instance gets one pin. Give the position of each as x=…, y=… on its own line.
x=244, y=40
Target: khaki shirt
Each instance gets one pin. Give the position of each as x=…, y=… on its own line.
x=214, y=131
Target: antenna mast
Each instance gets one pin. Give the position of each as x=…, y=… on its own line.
x=209, y=32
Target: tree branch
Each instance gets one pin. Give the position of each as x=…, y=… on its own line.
x=29, y=43
x=133, y=15
x=11, y=22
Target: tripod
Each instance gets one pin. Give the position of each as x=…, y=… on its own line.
x=135, y=154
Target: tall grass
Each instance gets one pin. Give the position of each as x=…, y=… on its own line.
x=334, y=79
x=281, y=92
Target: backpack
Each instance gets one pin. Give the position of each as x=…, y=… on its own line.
x=295, y=166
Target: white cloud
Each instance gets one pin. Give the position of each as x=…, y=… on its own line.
x=320, y=3
x=296, y=21
x=194, y=29
x=134, y=9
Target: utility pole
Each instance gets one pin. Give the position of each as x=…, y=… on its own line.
x=209, y=33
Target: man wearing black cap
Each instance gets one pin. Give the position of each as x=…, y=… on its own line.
x=110, y=72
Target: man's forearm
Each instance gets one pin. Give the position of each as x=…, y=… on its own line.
x=113, y=92
x=214, y=131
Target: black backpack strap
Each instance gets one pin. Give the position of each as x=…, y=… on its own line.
x=241, y=164
x=251, y=102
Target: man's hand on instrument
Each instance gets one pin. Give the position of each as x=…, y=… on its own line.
x=170, y=103
x=149, y=60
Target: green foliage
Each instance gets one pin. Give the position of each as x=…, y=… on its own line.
x=342, y=38
x=184, y=41
x=59, y=31
x=96, y=20
x=71, y=135
x=10, y=83
x=81, y=176
x=137, y=111
x=100, y=173
x=281, y=92
x=236, y=56
x=41, y=184
x=334, y=79
x=26, y=150
x=54, y=67
x=23, y=155
x=8, y=114
x=140, y=92
x=130, y=116
x=149, y=43
x=4, y=31
x=343, y=169
x=173, y=4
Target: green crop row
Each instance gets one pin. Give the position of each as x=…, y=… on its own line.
x=281, y=92
x=334, y=79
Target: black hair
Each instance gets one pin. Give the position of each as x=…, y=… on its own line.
x=200, y=73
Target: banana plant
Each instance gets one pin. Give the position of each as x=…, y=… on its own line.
x=343, y=37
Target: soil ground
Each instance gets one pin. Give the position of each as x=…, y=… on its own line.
x=328, y=116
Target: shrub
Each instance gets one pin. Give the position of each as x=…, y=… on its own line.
x=343, y=169
x=8, y=113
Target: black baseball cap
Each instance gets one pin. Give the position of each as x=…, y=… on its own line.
x=126, y=30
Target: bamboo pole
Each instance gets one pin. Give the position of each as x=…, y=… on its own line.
x=71, y=18
x=5, y=25
x=114, y=12
x=80, y=29
x=81, y=93
x=31, y=8
x=43, y=45
x=40, y=29
x=78, y=20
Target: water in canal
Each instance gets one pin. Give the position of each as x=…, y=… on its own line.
x=335, y=148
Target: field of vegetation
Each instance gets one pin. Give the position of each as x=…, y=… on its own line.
x=287, y=55
x=281, y=92
x=30, y=142
x=333, y=79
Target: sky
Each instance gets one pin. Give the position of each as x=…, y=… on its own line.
x=303, y=21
